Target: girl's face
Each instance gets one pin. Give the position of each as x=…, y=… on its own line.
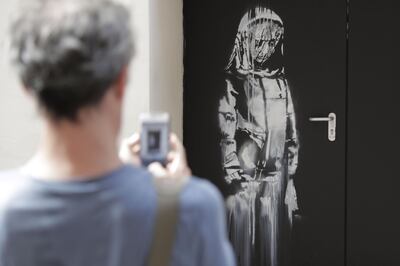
x=264, y=36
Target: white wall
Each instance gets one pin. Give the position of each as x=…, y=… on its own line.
x=19, y=121
x=166, y=59
x=19, y=128
x=138, y=93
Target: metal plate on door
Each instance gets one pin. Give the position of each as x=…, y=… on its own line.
x=331, y=119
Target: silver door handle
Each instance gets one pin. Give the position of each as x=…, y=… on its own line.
x=331, y=119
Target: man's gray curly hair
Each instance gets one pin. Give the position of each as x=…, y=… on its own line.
x=69, y=52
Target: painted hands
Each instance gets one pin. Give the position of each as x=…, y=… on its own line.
x=293, y=160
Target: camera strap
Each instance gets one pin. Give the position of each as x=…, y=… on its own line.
x=167, y=217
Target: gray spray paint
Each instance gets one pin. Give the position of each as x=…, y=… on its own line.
x=259, y=141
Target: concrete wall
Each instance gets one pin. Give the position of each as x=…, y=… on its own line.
x=156, y=90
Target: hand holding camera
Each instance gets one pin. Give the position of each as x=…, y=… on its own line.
x=162, y=153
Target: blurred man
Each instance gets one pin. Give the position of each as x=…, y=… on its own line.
x=75, y=202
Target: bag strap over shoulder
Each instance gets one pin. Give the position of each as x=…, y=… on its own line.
x=168, y=195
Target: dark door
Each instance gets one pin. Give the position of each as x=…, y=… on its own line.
x=373, y=146
x=255, y=73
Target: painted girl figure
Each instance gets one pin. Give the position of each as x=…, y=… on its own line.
x=259, y=141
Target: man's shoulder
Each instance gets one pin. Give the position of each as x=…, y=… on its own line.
x=12, y=186
x=200, y=195
x=10, y=181
x=8, y=173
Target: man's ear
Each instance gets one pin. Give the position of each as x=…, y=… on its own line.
x=120, y=83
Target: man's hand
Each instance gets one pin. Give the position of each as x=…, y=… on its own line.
x=130, y=150
x=176, y=166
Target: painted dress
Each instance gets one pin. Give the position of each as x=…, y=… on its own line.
x=259, y=141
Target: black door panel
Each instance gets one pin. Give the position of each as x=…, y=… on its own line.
x=373, y=177
x=314, y=61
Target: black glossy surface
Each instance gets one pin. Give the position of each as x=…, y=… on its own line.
x=315, y=60
x=373, y=140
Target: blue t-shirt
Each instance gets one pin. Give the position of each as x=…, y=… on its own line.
x=107, y=221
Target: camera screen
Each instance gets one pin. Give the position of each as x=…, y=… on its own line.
x=154, y=141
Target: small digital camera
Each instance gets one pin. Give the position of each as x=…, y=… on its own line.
x=154, y=137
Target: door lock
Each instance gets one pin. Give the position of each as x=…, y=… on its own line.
x=331, y=119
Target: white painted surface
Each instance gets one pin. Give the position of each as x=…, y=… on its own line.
x=19, y=127
x=166, y=59
x=138, y=95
